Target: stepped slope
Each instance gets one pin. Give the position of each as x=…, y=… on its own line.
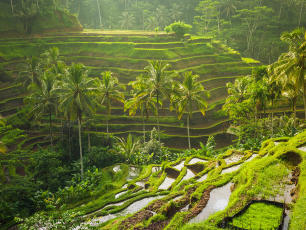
x=126, y=55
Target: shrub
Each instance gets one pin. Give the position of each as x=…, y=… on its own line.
x=179, y=28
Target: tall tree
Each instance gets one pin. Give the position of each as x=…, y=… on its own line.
x=75, y=95
x=191, y=93
x=43, y=100
x=27, y=11
x=52, y=57
x=229, y=8
x=176, y=12
x=29, y=72
x=109, y=89
x=159, y=83
x=162, y=16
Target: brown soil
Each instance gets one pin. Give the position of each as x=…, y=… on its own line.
x=196, y=168
x=172, y=173
x=154, y=207
x=295, y=175
x=136, y=218
x=156, y=225
x=293, y=158
x=20, y=171
x=197, y=209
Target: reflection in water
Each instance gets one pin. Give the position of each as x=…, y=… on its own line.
x=156, y=169
x=286, y=220
x=167, y=183
x=188, y=175
x=133, y=173
x=276, y=143
x=231, y=169
x=185, y=209
x=252, y=157
x=204, y=177
x=120, y=194
x=233, y=158
x=180, y=166
x=196, y=160
x=218, y=201
x=117, y=168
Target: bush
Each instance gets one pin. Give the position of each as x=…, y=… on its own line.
x=179, y=28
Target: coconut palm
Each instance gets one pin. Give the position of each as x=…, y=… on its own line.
x=129, y=147
x=43, y=100
x=191, y=93
x=51, y=57
x=27, y=11
x=237, y=92
x=162, y=16
x=159, y=83
x=151, y=23
x=109, y=89
x=142, y=103
x=292, y=65
x=75, y=98
x=176, y=12
x=3, y=148
x=127, y=20
x=229, y=8
x=29, y=72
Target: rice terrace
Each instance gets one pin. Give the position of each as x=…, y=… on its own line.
x=149, y=114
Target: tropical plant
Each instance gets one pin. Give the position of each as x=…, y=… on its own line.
x=127, y=20
x=229, y=8
x=43, y=100
x=176, y=12
x=52, y=58
x=27, y=11
x=191, y=93
x=3, y=148
x=159, y=83
x=151, y=23
x=162, y=16
x=29, y=72
x=109, y=89
x=128, y=147
x=75, y=98
x=137, y=101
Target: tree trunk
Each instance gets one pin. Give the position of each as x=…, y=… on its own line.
x=80, y=143
x=294, y=108
x=79, y=8
x=280, y=11
x=62, y=128
x=301, y=13
x=107, y=124
x=51, y=130
x=144, y=128
x=272, y=120
x=12, y=7
x=188, y=115
x=157, y=97
x=99, y=14
x=88, y=135
x=26, y=29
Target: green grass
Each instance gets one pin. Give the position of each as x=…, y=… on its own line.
x=259, y=215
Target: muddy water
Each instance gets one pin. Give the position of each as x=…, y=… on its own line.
x=177, y=198
x=218, y=201
x=185, y=209
x=233, y=158
x=286, y=220
x=117, y=204
x=167, y=183
x=180, y=166
x=125, y=186
x=133, y=173
x=231, y=169
x=120, y=194
x=204, y=177
x=196, y=160
x=134, y=207
x=188, y=175
x=155, y=169
x=117, y=168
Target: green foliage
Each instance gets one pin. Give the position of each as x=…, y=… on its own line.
x=11, y=136
x=179, y=28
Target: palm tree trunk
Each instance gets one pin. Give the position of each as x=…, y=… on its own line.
x=272, y=120
x=88, y=135
x=157, y=97
x=99, y=14
x=12, y=7
x=62, y=129
x=51, y=130
x=294, y=108
x=144, y=128
x=107, y=124
x=301, y=13
x=80, y=143
x=280, y=11
x=188, y=115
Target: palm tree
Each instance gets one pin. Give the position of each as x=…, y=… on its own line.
x=162, y=16
x=137, y=101
x=27, y=11
x=12, y=7
x=29, y=72
x=229, y=8
x=127, y=20
x=191, y=93
x=159, y=83
x=175, y=12
x=237, y=92
x=151, y=23
x=109, y=89
x=75, y=95
x=129, y=147
x=3, y=148
x=52, y=58
x=292, y=65
x=43, y=99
